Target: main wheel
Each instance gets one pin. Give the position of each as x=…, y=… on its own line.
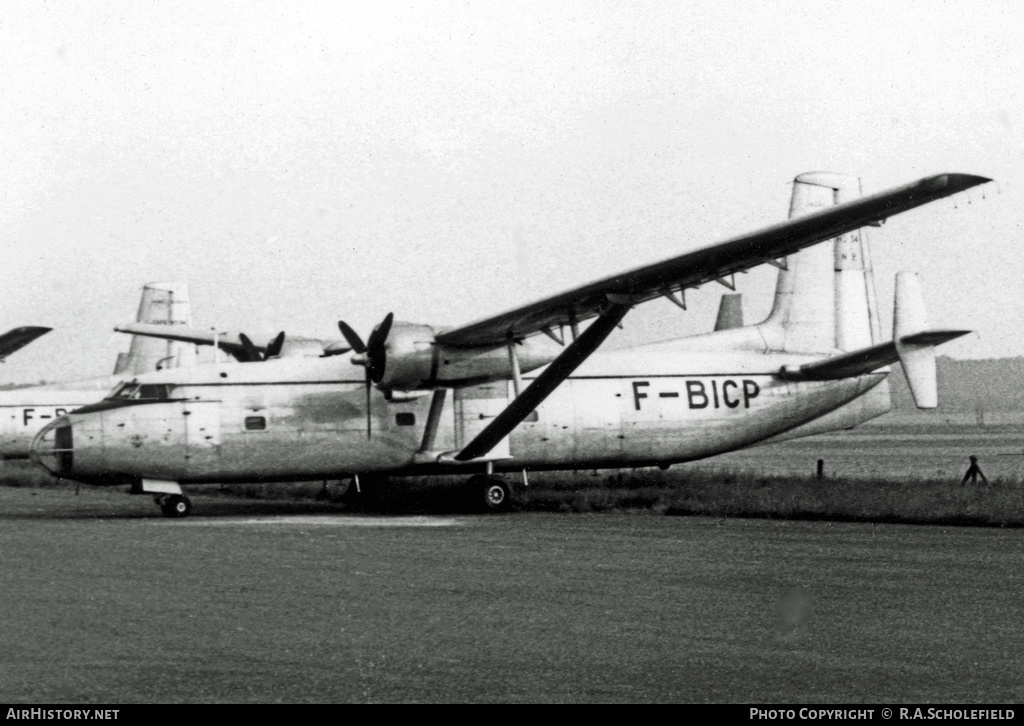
x=489, y=495
x=369, y=496
x=176, y=505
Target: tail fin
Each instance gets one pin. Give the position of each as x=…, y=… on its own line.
x=825, y=296
x=915, y=344
x=163, y=303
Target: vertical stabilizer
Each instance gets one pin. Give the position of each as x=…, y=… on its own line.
x=825, y=298
x=918, y=358
x=163, y=303
x=802, y=320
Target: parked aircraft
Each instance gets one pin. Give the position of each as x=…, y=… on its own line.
x=24, y=411
x=238, y=344
x=17, y=338
x=514, y=392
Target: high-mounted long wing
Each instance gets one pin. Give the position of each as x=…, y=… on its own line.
x=18, y=338
x=611, y=297
x=716, y=262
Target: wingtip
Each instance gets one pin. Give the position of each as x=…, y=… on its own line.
x=958, y=182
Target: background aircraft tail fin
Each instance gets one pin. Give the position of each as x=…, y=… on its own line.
x=825, y=295
x=163, y=303
x=730, y=312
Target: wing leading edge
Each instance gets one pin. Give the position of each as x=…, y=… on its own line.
x=698, y=267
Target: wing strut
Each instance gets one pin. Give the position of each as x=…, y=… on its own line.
x=433, y=418
x=560, y=369
x=513, y=359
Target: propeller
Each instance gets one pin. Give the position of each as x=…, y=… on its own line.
x=253, y=354
x=372, y=355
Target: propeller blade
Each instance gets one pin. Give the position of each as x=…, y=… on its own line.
x=376, y=351
x=352, y=337
x=380, y=335
x=252, y=353
x=275, y=346
x=369, y=393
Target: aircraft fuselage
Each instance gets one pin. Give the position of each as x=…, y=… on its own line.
x=289, y=420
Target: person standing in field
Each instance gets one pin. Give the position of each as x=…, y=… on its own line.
x=973, y=472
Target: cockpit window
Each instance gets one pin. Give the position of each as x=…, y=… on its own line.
x=124, y=390
x=158, y=392
x=142, y=392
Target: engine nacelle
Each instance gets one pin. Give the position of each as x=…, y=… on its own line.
x=409, y=357
x=414, y=360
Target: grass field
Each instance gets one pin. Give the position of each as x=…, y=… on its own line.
x=908, y=473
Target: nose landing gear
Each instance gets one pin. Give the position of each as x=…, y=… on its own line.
x=174, y=505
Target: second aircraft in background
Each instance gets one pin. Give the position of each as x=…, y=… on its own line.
x=24, y=411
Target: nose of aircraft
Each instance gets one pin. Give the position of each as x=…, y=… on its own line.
x=53, y=449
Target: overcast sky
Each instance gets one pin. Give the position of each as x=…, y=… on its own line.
x=299, y=163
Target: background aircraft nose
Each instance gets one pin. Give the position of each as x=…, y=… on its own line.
x=52, y=448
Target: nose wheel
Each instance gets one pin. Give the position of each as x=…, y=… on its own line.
x=174, y=505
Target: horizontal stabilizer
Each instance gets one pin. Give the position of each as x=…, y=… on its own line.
x=913, y=346
x=932, y=337
x=865, y=360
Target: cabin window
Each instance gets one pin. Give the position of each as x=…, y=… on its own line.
x=405, y=419
x=255, y=423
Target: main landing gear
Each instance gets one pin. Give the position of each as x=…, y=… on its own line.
x=489, y=494
x=481, y=493
x=174, y=505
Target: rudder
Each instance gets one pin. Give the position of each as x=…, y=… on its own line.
x=824, y=298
